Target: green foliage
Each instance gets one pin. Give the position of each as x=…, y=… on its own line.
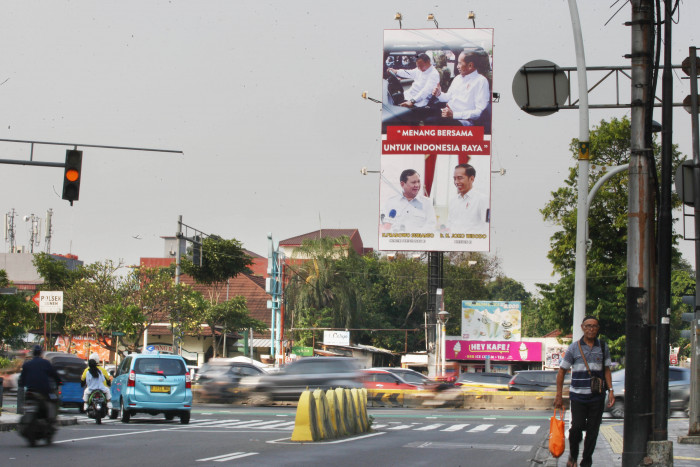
x=17, y=314
x=221, y=260
x=5, y=362
x=607, y=225
x=230, y=316
x=319, y=282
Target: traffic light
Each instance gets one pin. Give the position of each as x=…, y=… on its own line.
x=197, y=250
x=71, y=175
x=689, y=317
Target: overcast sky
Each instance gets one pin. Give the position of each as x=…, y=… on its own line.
x=264, y=99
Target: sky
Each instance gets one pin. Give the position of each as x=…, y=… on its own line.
x=264, y=99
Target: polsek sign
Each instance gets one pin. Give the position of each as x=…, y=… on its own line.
x=49, y=302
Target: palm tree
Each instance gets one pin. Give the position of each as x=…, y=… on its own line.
x=317, y=283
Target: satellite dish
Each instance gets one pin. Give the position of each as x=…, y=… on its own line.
x=540, y=87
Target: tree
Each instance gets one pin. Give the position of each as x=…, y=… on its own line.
x=230, y=316
x=221, y=260
x=318, y=282
x=17, y=314
x=607, y=223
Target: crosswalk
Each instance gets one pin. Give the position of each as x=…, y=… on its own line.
x=288, y=425
x=459, y=427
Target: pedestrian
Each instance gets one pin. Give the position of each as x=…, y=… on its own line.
x=589, y=361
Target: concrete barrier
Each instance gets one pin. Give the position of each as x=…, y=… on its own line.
x=345, y=414
x=334, y=413
x=325, y=427
x=306, y=421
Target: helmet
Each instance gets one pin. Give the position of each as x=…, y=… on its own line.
x=36, y=350
x=94, y=356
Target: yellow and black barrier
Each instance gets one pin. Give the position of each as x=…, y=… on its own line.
x=330, y=414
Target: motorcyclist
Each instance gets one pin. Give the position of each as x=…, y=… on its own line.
x=96, y=377
x=36, y=377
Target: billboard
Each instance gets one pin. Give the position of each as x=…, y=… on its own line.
x=491, y=320
x=435, y=184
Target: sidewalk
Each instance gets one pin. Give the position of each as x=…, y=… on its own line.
x=608, y=451
x=10, y=420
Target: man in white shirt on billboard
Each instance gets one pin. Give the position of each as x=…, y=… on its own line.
x=409, y=211
x=469, y=97
x=425, y=77
x=468, y=211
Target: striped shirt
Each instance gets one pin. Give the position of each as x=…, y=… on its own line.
x=580, y=380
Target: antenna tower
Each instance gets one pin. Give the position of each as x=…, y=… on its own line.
x=48, y=229
x=10, y=230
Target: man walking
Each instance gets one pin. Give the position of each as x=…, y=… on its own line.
x=588, y=359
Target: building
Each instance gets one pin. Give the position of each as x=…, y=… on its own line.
x=22, y=273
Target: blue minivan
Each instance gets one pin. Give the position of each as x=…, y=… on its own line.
x=152, y=383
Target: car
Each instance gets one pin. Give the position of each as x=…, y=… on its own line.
x=306, y=373
x=382, y=379
x=152, y=383
x=484, y=381
x=536, y=380
x=678, y=391
x=410, y=376
x=220, y=378
x=70, y=369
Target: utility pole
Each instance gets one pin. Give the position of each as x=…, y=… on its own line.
x=665, y=232
x=637, y=424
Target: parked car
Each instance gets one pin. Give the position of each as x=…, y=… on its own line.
x=70, y=368
x=220, y=378
x=678, y=391
x=310, y=372
x=152, y=383
x=382, y=379
x=537, y=380
x=484, y=381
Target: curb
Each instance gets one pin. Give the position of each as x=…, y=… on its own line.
x=12, y=426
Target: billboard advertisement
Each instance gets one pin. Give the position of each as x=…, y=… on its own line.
x=82, y=346
x=495, y=350
x=436, y=140
x=491, y=320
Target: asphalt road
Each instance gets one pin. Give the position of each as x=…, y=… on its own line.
x=261, y=436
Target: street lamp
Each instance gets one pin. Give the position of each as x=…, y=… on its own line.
x=443, y=317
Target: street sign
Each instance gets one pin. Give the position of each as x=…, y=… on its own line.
x=118, y=333
x=49, y=302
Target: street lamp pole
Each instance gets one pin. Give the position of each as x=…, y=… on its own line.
x=583, y=170
x=443, y=318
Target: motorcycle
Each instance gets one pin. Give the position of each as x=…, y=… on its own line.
x=37, y=422
x=97, y=406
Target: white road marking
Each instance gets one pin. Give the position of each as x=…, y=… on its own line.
x=531, y=430
x=227, y=457
x=506, y=429
x=400, y=427
x=456, y=427
x=480, y=428
x=429, y=427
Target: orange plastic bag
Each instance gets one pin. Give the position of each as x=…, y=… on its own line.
x=556, y=434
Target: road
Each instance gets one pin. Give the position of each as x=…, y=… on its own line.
x=261, y=436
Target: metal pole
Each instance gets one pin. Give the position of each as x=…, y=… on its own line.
x=665, y=229
x=583, y=170
x=178, y=259
x=694, y=418
x=637, y=424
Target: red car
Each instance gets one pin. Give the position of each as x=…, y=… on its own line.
x=381, y=379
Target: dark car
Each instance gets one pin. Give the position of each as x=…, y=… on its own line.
x=70, y=368
x=484, y=381
x=220, y=379
x=678, y=391
x=312, y=373
x=536, y=380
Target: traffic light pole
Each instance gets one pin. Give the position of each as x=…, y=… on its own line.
x=694, y=418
